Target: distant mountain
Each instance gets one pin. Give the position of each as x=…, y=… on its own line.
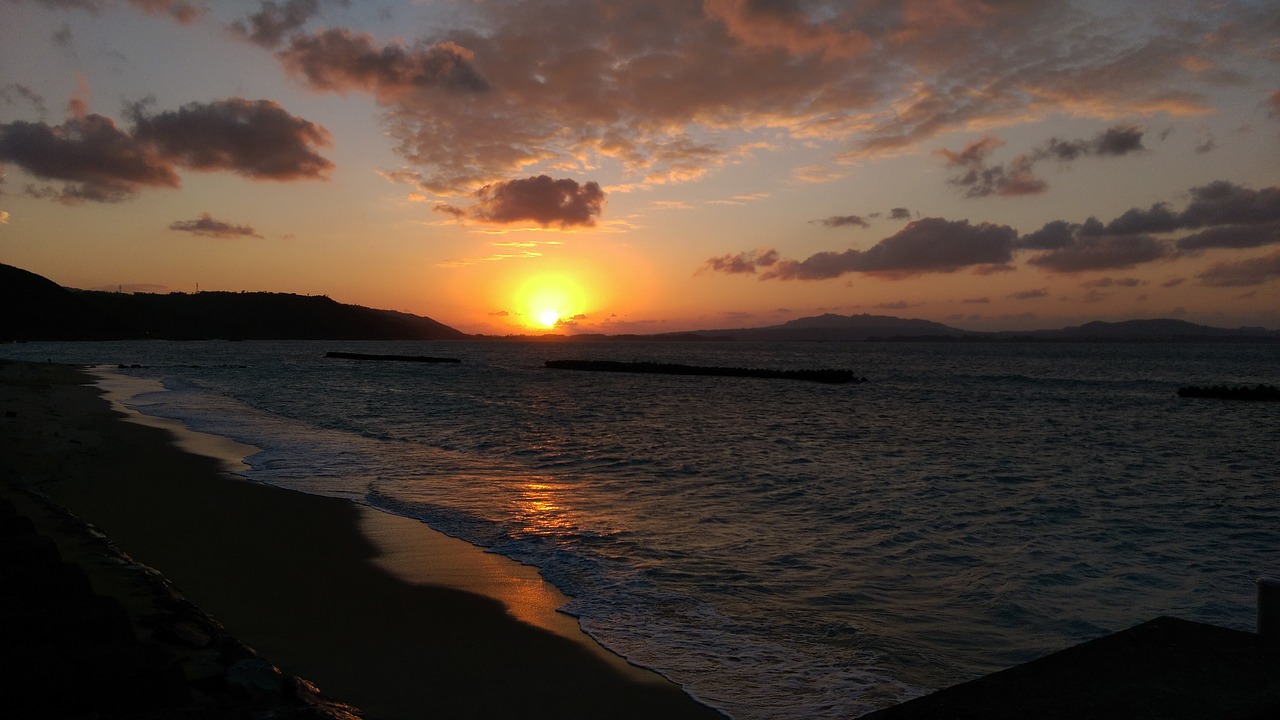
x=1148, y=331
x=843, y=328
x=35, y=308
x=860, y=328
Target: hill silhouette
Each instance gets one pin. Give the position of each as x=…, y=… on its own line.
x=35, y=308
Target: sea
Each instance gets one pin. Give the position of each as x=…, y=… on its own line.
x=783, y=548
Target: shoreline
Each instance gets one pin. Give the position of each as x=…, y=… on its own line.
x=340, y=594
x=404, y=549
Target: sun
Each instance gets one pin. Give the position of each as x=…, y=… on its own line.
x=545, y=301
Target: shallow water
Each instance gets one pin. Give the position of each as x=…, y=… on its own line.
x=785, y=548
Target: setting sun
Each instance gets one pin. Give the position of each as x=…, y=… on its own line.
x=546, y=301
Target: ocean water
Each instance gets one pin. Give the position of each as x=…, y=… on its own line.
x=783, y=548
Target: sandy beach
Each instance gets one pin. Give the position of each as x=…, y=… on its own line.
x=365, y=606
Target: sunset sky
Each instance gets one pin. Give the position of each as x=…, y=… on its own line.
x=510, y=166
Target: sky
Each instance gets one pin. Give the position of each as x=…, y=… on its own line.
x=614, y=166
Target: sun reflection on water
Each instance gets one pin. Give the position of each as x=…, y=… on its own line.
x=540, y=507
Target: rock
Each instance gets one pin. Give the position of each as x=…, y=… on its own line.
x=253, y=676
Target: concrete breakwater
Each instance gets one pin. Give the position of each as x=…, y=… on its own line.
x=392, y=358
x=1223, y=392
x=822, y=376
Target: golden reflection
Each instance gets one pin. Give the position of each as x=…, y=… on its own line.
x=540, y=508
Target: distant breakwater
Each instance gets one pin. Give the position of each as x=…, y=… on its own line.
x=1222, y=392
x=393, y=358
x=822, y=376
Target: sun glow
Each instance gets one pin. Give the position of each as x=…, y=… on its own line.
x=547, y=301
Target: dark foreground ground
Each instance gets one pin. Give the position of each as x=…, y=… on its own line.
x=1166, y=669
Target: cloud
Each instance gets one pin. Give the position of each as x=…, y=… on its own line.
x=183, y=12
x=1029, y=294
x=1228, y=215
x=100, y=162
x=836, y=221
x=4, y=217
x=1232, y=236
x=1112, y=142
x=94, y=159
x=651, y=86
x=209, y=227
x=541, y=200
x=899, y=213
x=1107, y=282
x=744, y=263
x=1255, y=271
x=1224, y=214
x=254, y=138
x=1274, y=103
x=979, y=178
x=1102, y=252
x=180, y=10
x=929, y=245
x=338, y=60
x=12, y=93
x=273, y=21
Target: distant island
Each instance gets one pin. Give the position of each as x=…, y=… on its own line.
x=33, y=307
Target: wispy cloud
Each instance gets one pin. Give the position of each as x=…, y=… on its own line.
x=981, y=178
x=207, y=226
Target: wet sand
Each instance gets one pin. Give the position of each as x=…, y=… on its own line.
x=362, y=604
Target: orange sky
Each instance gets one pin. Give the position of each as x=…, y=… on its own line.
x=617, y=166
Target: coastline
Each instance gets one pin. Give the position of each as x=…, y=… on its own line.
x=298, y=578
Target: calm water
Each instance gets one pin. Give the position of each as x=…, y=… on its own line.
x=780, y=548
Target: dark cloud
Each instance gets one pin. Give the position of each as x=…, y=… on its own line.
x=836, y=221
x=1274, y=103
x=13, y=93
x=976, y=301
x=254, y=138
x=273, y=21
x=1226, y=216
x=1231, y=216
x=1029, y=294
x=1225, y=203
x=742, y=263
x=1102, y=252
x=1112, y=142
x=209, y=227
x=1255, y=271
x=929, y=245
x=1107, y=282
x=100, y=162
x=94, y=159
x=899, y=213
x=979, y=178
x=1054, y=235
x=339, y=60
x=542, y=200
x=1232, y=236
